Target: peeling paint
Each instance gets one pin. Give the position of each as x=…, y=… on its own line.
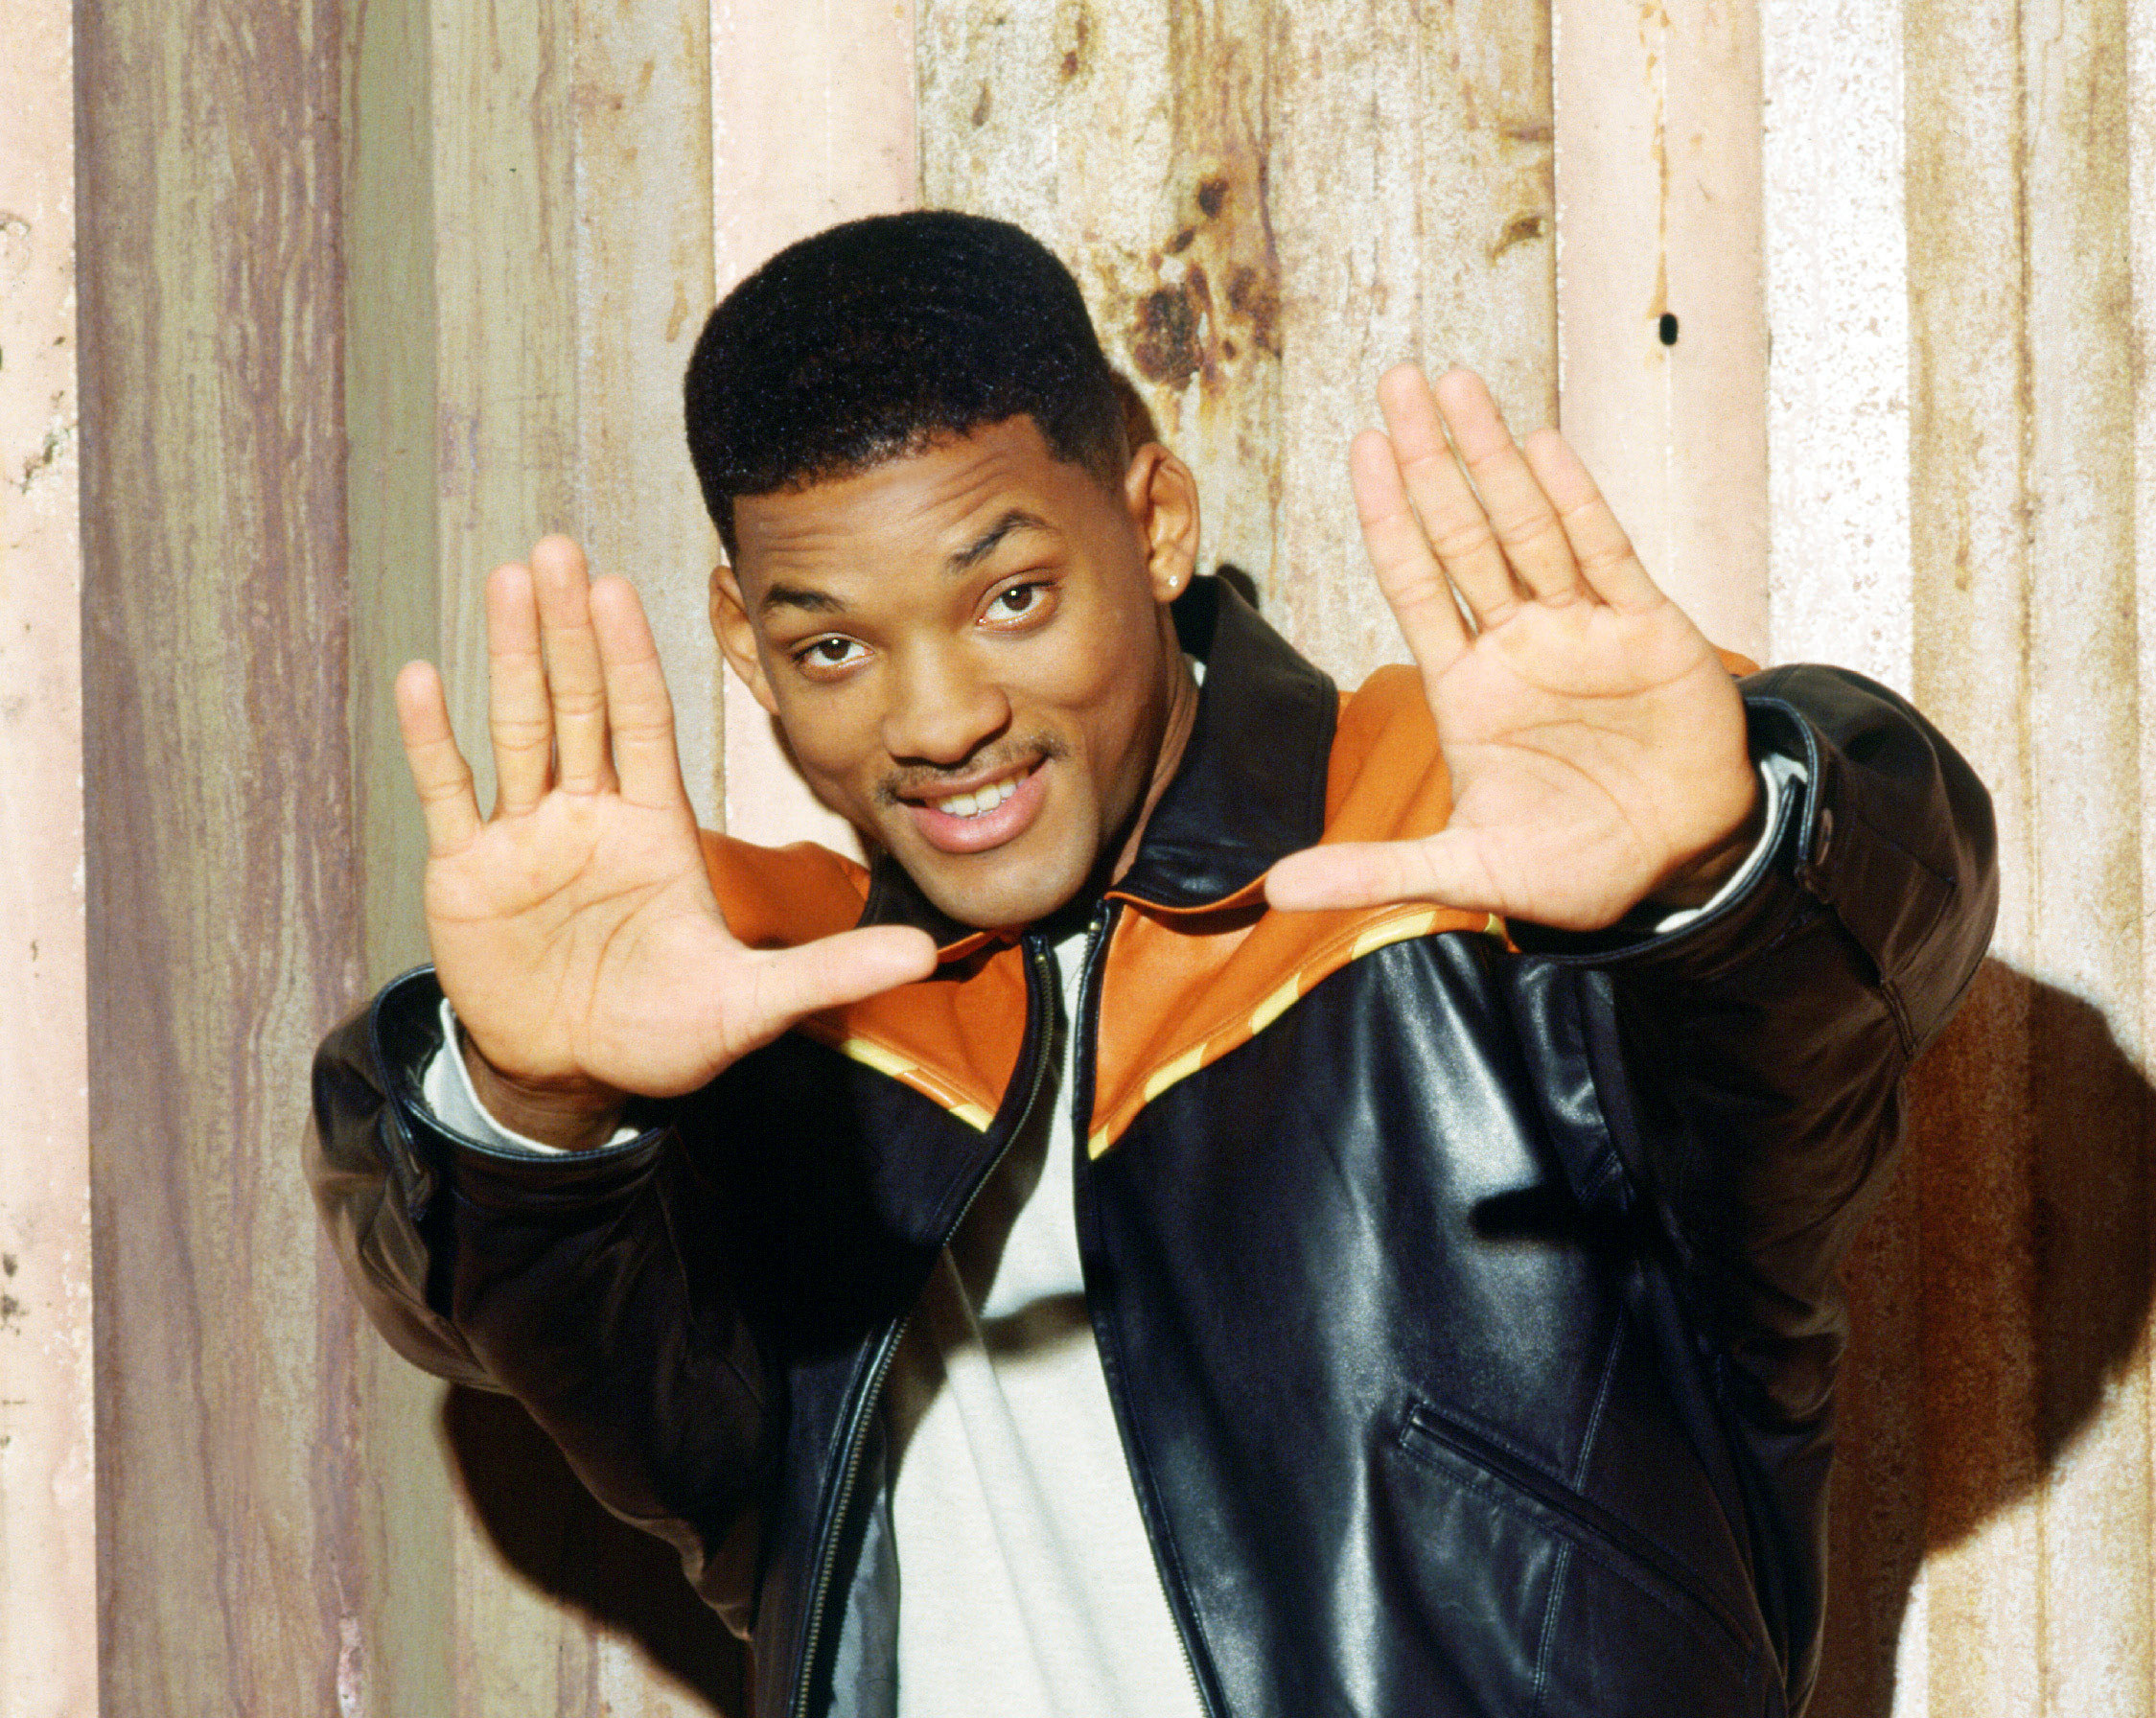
x=1163, y=339
x=1521, y=229
x=59, y=438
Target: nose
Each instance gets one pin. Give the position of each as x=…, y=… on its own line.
x=942, y=708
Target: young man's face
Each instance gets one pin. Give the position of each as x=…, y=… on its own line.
x=969, y=653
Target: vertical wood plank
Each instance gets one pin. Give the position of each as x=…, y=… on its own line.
x=222, y=912
x=641, y=109
x=1660, y=307
x=812, y=123
x=530, y=249
x=2092, y=1183
x=398, y=1611
x=48, y=1551
x=390, y=385
x=2006, y=1294
x=1837, y=299
x=1968, y=451
x=502, y=152
x=1267, y=205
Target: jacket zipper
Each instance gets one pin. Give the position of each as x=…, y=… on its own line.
x=828, y=1544
x=1082, y=1022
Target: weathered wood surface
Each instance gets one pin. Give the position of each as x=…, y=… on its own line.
x=1267, y=204
x=222, y=907
x=1962, y=225
x=1661, y=312
x=48, y=1545
x=812, y=123
x=516, y=360
x=290, y=1519
x=1962, y=239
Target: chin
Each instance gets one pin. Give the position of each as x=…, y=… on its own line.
x=1008, y=902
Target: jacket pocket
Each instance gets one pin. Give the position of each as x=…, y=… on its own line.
x=1621, y=1629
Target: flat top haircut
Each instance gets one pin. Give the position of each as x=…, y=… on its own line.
x=867, y=341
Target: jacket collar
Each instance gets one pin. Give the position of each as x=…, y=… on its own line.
x=1250, y=789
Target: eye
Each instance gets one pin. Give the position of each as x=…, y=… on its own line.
x=833, y=651
x=1028, y=600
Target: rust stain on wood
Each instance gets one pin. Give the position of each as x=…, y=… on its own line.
x=1266, y=205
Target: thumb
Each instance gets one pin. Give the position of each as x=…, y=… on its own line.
x=789, y=982
x=1445, y=867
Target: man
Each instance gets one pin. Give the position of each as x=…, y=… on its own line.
x=1157, y=1242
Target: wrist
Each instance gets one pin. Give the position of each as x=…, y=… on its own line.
x=1695, y=882
x=576, y=1114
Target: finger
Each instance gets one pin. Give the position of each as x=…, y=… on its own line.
x=1408, y=574
x=792, y=983
x=640, y=713
x=1452, y=514
x=519, y=720
x=1520, y=514
x=1599, y=543
x=439, y=772
x=576, y=684
x=1375, y=873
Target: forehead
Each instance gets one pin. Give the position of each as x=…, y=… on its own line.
x=921, y=508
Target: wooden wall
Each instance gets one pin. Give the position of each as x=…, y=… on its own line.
x=48, y=1526
x=370, y=296
x=1267, y=203
x=1962, y=225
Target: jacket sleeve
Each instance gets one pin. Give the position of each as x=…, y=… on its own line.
x=1750, y=1064
x=559, y=1279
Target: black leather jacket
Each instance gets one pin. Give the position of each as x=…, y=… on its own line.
x=1470, y=1315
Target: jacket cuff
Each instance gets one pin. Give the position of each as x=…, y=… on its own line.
x=1766, y=897
x=1889, y=834
x=404, y=1032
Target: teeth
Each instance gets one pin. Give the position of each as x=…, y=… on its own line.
x=973, y=804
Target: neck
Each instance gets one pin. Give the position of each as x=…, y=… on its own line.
x=1175, y=735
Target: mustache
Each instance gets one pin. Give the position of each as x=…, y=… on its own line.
x=924, y=779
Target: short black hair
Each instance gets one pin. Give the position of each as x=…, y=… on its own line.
x=870, y=340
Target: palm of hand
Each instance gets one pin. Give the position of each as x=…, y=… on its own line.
x=575, y=931
x=1584, y=747
x=580, y=939
x=1595, y=744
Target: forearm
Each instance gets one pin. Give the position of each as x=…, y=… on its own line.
x=492, y=1265
x=1752, y=1060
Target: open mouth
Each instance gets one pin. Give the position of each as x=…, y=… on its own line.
x=985, y=816
x=981, y=800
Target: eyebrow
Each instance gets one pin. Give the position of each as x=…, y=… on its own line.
x=983, y=545
x=811, y=601
x=800, y=597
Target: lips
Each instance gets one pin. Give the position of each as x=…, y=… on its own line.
x=983, y=817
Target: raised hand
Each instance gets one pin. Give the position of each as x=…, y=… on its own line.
x=575, y=931
x=1595, y=741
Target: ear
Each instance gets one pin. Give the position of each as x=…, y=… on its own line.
x=736, y=634
x=1161, y=497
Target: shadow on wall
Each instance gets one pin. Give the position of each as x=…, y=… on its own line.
x=543, y=1524
x=2005, y=1281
